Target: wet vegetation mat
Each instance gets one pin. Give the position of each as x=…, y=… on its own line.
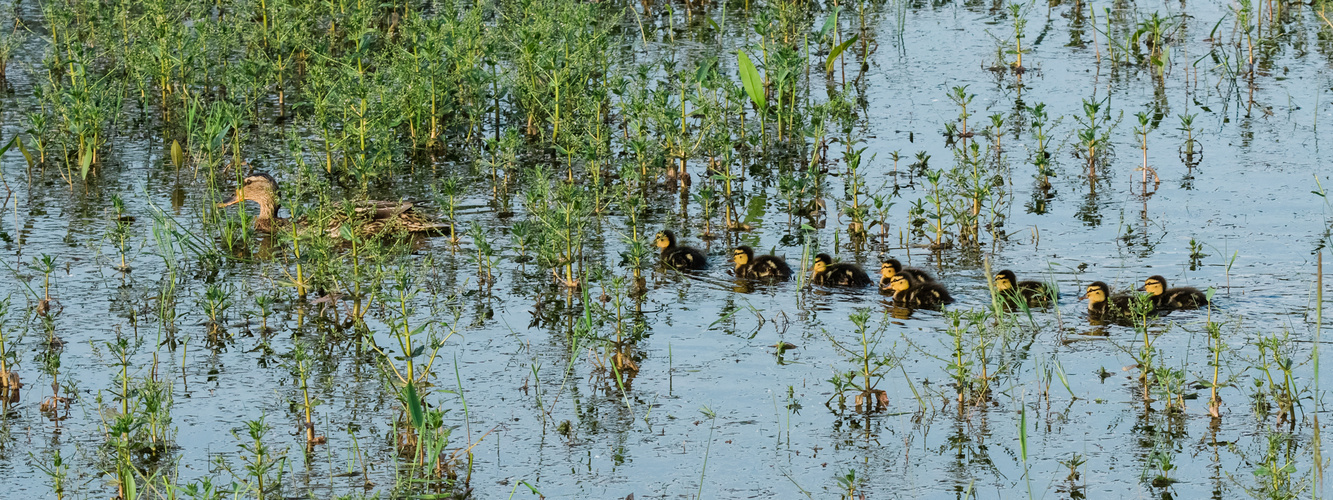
x=663, y=249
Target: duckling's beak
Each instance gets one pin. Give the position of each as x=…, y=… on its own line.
x=236, y=197
x=1081, y=297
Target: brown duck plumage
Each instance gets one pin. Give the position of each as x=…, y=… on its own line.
x=369, y=217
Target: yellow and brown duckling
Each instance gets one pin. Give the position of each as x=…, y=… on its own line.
x=891, y=267
x=927, y=294
x=1173, y=298
x=1103, y=305
x=1032, y=293
x=761, y=267
x=371, y=217
x=677, y=256
x=825, y=272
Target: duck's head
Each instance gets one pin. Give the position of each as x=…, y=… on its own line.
x=259, y=188
x=886, y=270
x=1004, y=280
x=665, y=239
x=899, y=283
x=742, y=255
x=890, y=267
x=1155, y=285
x=822, y=261
x=1096, y=293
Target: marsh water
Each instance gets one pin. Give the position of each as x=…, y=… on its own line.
x=533, y=399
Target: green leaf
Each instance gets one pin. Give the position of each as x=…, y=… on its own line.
x=86, y=161
x=413, y=403
x=177, y=154
x=531, y=487
x=830, y=22
x=1023, y=432
x=6, y=147
x=837, y=51
x=26, y=155
x=754, y=86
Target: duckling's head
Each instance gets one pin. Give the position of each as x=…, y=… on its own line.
x=1155, y=285
x=742, y=255
x=822, y=261
x=665, y=239
x=899, y=283
x=886, y=270
x=1096, y=294
x=1004, y=280
x=259, y=188
x=893, y=264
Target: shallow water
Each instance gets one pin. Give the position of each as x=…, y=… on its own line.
x=518, y=373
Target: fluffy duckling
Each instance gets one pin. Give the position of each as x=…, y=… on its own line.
x=918, y=295
x=1183, y=297
x=679, y=257
x=826, y=273
x=891, y=267
x=1101, y=304
x=1033, y=293
x=763, y=266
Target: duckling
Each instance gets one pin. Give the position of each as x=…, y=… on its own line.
x=679, y=257
x=763, y=266
x=918, y=295
x=1182, y=297
x=826, y=273
x=1103, y=305
x=373, y=217
x=891, y=267
x=1033, y=293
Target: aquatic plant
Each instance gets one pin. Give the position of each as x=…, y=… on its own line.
x=1146, y=125
x=56, y=470
x=1216, y=347
x=120, y=230
x=1192, y=147
x=962, y=99
x=263, y=466
x=9, y=378
x=862, y=384
x=1094, y=135
x=1018, y=15
x=1276, y=365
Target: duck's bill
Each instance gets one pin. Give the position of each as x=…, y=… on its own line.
x=235, y=198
